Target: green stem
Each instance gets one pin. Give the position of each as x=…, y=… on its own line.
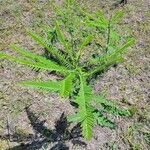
x=108, y=34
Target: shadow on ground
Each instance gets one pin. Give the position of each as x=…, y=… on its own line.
x=43, y=136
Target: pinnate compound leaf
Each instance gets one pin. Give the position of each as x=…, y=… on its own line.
x=53, y=51
x=28, y=54
x=35, y=61
x=86, y=41
x=117, y=17
x=87, y=124
x=85, y=110
x=103, y=121
x=110, y=59
x=74, y=118
x=97, y=20
x=67, y=85
x=111, y=107
x=102, y=20
x=45, y=85
x=61, y=38
x=2, y=55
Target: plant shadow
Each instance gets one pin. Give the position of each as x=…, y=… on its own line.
x=43, y=136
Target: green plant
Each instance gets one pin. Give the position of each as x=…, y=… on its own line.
x=67, y=62
x=108, y=28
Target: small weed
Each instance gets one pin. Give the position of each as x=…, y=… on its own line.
x=67, y=44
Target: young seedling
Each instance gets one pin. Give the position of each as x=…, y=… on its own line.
x=66, y=61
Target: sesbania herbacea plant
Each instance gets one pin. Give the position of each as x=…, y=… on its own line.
x=67, y=54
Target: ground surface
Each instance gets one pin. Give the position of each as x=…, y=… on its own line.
x=128, y=84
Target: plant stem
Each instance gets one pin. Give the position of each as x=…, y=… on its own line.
x=108, y=34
